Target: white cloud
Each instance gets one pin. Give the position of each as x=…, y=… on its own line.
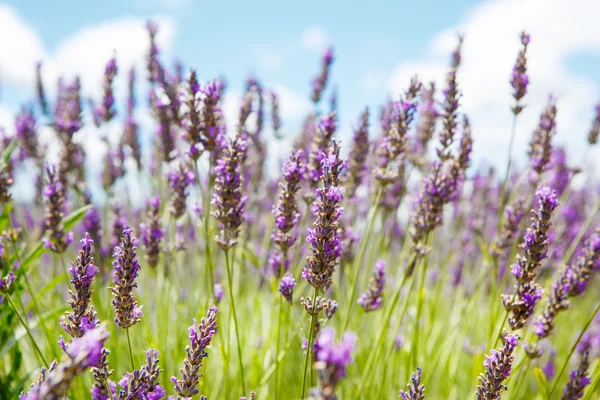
x=314, y=38
x=20, y=48
x=558, y=31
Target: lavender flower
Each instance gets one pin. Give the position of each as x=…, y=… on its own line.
x=211, y=128
x=520, y=80
x=324, y=238
x=179, y=180
x=83, y=352
x=320, y=81
x=578, y=380
x=332, y=360
x=126, y=269
x=92, y=223
x=218, y=292
x=6, y=181
x=252, y=396
x=572, y=282
x=54, y=199
x=286, y=287
x=164, y=131
x=391, y=151
x=82, y=316
x=151, y=231
x=39, y=86
x=228, y=198
x=153, y=65
x=106, y=111
x=358, y=153
x=541, y=142
x=142, y=383
x=595, y=130
x=510, y=226
x=101, y=375
x=498, y=367
x=25, y=131
x=275, y=119
x=534, y=251
x=428, y=115
x=416, y=390
x=372, y=299
x=200, y=338
x=192, y=119
x=449, y=113
x=286, y=211
x=319, y=146
x=6, y=282
x=118, y=224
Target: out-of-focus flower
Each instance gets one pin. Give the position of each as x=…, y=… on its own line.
x=372, y=299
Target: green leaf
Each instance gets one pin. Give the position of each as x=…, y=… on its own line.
x=542, y=382
x=33, y=323
x=33, y=255
x=70, y=220
x=8, y=151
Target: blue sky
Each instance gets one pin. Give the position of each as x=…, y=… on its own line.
x=378, y=46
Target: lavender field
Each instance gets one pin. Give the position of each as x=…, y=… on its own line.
x=207, y=264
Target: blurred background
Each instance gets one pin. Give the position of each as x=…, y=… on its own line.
x=378, y=46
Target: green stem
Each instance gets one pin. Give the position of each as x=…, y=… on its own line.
x=235, y=320
x=564, y=366
x=358, y=260
x=279, y=318
x=33, y=342
x=507, y=173
x=310, y=345
x=130, y=351
x=108, y=390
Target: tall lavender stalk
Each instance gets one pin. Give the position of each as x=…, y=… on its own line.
x=520, y=79
x=578, y=380
x=54, y=199
x=200, y=338
x=534, y=250
x=152, y=232
x=82, y=316
x=106, y=111
x=126, y=270
x=179, y=180
x=372, y=299
x=320, y=81
x=416, y=390
x=572, y=281
x=358, y=154
x=540, y=146
x=498, y=368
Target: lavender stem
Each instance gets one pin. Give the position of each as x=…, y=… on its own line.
x=564, y=365
x=130, y=351
x=310, y=343
x=361, y=253
x=235, y=320
x=507, y=172
x=37, y=349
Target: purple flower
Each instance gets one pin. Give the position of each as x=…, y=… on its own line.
x=106, y=111
x=286, y=210
x=151, y=231
x=82, y=316
x=200, y=338
x=520, y=80
x=25, y=131
x=286, y=287
x=540, y=146
x=372, y=299
x=83, y=352
x=218, y=291
x=358, y=153
x=320, y=146
x=324, y=238
x=54, y=199
x=228, y=197
x=332, y=359
x=498, y=367
x=578, y=380
x=212, y=129
x=179, y=180
x=126, y=270
x=320, y=81
x=416, y=390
